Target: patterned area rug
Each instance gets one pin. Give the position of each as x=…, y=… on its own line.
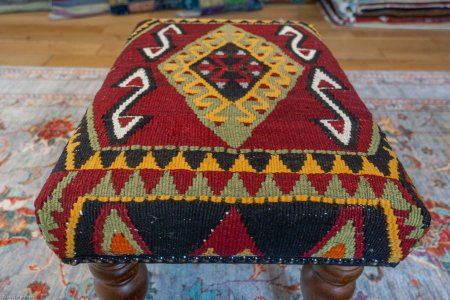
x=42, y=106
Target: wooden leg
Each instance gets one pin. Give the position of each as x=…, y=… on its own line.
x=120, y=281
x=326, y=282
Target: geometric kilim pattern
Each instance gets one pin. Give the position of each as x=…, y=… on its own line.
x=228, y=88
x=229, y=141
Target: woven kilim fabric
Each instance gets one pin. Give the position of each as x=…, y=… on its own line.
x=229, y=141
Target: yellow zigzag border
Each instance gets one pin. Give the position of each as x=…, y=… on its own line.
x=241, y=164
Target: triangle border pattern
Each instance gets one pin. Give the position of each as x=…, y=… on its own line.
x=79, y=155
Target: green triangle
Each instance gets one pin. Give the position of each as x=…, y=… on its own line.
x=393, y=194
x=269, y=188
x=335, y=189
x=415, y=218
x=134, y=187
x=304, y=187
x=165, y=186
x=235, y=188
x=346, y=236
x=46, y=219
x=199, y=187
x=105, y=187
x=114, y=224
x=364, y=190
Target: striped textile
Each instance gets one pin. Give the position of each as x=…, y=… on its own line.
x=66, y=9
x=351, y=12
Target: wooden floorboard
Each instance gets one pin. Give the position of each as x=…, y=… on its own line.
x=31, y=39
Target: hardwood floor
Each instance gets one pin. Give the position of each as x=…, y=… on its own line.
x=31, y=39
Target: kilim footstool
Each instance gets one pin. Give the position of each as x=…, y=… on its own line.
x=229, y=142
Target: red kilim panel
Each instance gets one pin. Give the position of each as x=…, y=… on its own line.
x=229, y=141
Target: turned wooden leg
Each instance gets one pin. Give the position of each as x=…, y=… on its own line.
x=326, y=282
x=120, y=281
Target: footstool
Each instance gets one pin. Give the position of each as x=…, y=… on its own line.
x=229, y=142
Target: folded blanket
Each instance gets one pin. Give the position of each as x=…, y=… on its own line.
x=8, y=6
x=195, y=8
x=340, y=12
x=122, y=7
x=346, y=12
x=65, y=9
x=190, y=8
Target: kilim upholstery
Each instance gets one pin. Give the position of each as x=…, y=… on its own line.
x=229, y=141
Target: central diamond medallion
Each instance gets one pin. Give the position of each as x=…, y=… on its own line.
x=232, y=80
x=231, y=70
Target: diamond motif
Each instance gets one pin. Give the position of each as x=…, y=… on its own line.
x=232, y=80
x=231, y=70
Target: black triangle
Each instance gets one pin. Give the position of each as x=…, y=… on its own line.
x=354, y=162
x=401, y=173
x=61, y=163
x=176, y=229
x=84, y=151
x=134, y=157
x=164, y=156
x=225, y=160
x=294, y=161
x=194, y=158
x=381, y=160
x=325, y=161
x=258, y=160
x=108, y=156
x=82, y=154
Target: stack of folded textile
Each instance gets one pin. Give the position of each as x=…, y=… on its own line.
x=352, y=12
x=65, y=9
x=8, y=6
x=123, y=7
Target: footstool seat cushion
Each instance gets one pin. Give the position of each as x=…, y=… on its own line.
x=229, y=141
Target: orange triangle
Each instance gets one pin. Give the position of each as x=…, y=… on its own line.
x=119, y=242
x=120, y=245
x=337, y=251
x=352, y=214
